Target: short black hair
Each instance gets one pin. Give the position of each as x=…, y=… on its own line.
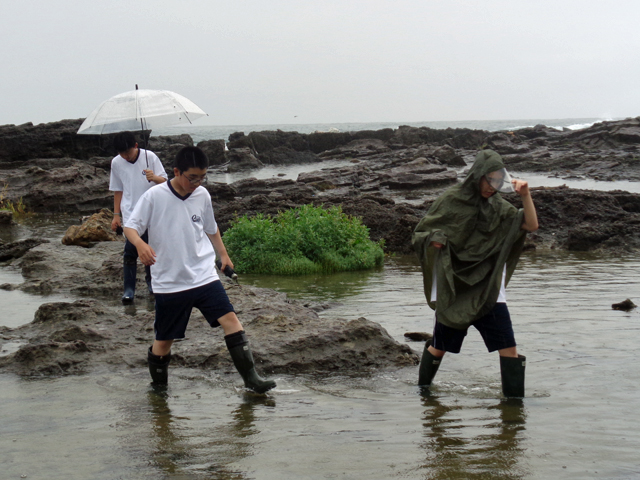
x=189, y=157
x=123, y=141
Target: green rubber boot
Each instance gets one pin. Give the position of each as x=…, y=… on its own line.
x=512, y=373
x=238, y=346
x=158, y=367
x=429, y=365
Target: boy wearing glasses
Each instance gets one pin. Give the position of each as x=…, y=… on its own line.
x=133, y=172
x=183, y=242
x=469, y=244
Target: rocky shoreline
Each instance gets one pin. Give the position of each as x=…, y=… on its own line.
x=387, y=177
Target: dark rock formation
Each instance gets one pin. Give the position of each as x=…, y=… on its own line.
x=6, y=217
x=418, y=336
x=214, y=149
x=70, y=337
x=70, y=185
x=626, y=305
x=9, y=251
x=242, y=159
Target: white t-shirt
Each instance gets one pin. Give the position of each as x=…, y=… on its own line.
x=130, y=179
x=178, y=228
x=502, y=296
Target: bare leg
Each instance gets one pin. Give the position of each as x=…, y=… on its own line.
x=435, y=352
x=511, y=352
x=230, y=323
x=161, y=347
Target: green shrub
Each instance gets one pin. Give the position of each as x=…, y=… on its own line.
x=302, y=240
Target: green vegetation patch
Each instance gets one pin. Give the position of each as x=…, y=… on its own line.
x=303, y=240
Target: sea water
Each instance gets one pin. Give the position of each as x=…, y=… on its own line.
x=579, y=418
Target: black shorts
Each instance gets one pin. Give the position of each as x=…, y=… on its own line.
x=495, y=327
x=174, y=309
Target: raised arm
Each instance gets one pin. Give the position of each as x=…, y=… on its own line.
x=530, y=223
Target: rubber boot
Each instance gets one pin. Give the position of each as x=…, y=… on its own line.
x=240, y=351
x=429, y=365
x=129, y=281
x=512, y=373
x=158, y=367
x=147, y=278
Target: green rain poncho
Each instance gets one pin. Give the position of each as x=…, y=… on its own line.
x=479, y=237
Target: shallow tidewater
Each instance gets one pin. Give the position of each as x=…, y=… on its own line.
x=579, y=419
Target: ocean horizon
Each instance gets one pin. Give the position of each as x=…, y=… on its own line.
x=200, y=132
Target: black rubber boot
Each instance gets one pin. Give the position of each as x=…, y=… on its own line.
x=147, y=278
x=158, y=367
x=512, y=373
x=428, y=367
x=129, y=281
x=238, y=346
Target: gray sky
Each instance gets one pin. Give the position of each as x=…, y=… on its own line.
x=270, y=61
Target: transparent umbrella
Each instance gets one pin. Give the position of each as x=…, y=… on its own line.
x=140, y=110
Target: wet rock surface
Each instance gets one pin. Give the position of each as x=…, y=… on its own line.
x=70, y=337
x=12, y=250
x=389, y=178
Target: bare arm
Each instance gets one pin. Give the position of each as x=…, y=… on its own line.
x=145, y=252
x=530, y=223
x=221, y=250
x=117, y=213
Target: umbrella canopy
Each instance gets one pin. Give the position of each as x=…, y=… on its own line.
x=140, y=110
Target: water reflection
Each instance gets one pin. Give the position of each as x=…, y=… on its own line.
x=473, y=442
x=319, y=288
x=50, y=227
x=215, y=450
x=170, y=448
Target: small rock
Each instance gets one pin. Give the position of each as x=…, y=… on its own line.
x=6, y=217
x=624, y=306
x=418, y=336
x=96, y=228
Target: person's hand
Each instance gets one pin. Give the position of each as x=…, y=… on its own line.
x=150, y=175
x=521, y=187
x=437, y=244
x=146, y=253
x=116, y=222
x=226, y=261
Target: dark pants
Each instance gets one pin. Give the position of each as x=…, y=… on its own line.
x=495, y=327
x=131, y=252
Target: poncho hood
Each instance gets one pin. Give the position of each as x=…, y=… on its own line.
x=479, y=236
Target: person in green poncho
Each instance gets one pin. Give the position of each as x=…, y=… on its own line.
x=469, y=243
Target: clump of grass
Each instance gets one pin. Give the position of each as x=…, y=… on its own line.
x=303, y=240
x=17, y=208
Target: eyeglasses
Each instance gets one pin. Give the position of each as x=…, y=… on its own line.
x=196, y=180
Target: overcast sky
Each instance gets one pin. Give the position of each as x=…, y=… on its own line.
x=270, y=61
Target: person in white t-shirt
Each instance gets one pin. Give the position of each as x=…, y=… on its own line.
x=182, y=246
x=133, y=172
